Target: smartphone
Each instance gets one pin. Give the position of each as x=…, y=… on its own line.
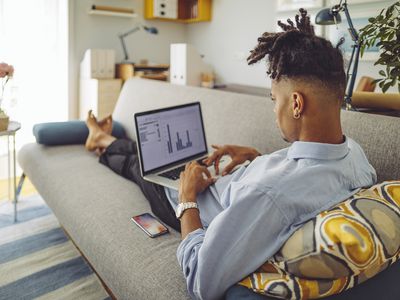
x=150, y=225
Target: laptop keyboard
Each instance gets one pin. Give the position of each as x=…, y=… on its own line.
x=174, y=173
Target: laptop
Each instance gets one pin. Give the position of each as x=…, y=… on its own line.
x=169, y=138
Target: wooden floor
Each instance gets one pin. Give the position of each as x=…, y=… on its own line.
x=27, y=189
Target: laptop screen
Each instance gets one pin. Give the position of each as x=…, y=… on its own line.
x=169, y=136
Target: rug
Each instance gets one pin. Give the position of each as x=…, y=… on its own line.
x=37, y=259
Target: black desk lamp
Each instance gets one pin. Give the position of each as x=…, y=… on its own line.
x=331, y=16
x=151, y=30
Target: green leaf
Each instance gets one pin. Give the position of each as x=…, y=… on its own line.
x=380, y=61
x=389, y=11
x=362, y=51
x=382, y=73
x=375, y=81
x=371, y=20
x=385, y=87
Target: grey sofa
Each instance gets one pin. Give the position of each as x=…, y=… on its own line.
x=94, y=205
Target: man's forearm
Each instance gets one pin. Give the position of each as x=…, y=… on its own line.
x=190, y=221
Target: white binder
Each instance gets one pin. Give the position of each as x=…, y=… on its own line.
x=98, y=63
x=186, y=65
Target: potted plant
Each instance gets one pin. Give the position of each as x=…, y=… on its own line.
x=6, y=72
x=384, y=31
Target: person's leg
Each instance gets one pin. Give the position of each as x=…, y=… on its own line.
x=120, y=155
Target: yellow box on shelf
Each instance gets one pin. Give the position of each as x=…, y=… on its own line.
x=182, y=11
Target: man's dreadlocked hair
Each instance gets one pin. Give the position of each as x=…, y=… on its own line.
x=297, y=53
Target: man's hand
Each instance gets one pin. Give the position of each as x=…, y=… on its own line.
x=193, y=180
x=238, y=155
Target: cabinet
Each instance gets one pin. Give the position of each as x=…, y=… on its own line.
x=99, y=95
x=184, y=11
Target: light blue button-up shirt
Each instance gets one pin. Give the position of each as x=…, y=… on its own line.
x=248, y=215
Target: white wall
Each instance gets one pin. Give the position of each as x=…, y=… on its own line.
x=93, y=31
x=227, y=39
x=233, y=31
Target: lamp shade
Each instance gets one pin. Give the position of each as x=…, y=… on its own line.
x=326, y=17
x=151, y=30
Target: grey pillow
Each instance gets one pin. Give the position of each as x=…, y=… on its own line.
x=68, y=133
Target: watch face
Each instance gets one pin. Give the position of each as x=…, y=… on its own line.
x=179, y=210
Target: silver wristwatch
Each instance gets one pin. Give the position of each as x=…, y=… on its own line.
x=184, y=206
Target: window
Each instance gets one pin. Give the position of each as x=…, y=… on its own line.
x=34, y=39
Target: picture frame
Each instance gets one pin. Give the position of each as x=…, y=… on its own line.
x=359, y=17
x=288, y=5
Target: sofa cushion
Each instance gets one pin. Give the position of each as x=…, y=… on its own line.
x=338, y=249
x=68, y=133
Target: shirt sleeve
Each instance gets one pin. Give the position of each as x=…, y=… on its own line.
x=237, y=242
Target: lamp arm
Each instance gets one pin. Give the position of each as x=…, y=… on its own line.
x=355, y=55
x=349, y=92
x=124, y=48
x=133, y=30
x=353, y=31
x=349, y=66
x=121, y=38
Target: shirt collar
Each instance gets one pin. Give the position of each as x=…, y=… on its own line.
x=318, y=150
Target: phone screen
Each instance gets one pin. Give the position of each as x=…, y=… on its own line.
x=150, y=224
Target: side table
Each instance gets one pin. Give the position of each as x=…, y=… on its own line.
x=13, y=127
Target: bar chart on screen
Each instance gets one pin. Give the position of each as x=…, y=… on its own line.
x=170, y=136
x=179, y=143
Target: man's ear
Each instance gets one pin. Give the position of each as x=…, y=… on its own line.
x=297, y=104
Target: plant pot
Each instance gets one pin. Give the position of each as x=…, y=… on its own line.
x=4, y=123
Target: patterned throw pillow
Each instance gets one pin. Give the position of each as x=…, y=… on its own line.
x=337, y=250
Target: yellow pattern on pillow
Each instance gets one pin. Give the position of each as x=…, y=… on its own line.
x=340, y=248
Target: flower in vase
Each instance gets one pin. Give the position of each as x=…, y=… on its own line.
x=6, y=71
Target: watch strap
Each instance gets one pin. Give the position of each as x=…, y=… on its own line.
x=184, y=206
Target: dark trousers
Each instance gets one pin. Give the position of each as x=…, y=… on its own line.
x=121, y=157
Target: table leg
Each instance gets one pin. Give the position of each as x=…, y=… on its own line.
x=15, y=180
x=9, y=169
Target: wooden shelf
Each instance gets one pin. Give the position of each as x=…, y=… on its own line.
x=161, y=77
x=111, y=13
x=152, y=67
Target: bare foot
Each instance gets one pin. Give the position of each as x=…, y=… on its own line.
x=106, y=124
x=95, y=132
x=99, y=151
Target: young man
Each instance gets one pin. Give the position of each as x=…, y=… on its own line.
x=245, y=217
